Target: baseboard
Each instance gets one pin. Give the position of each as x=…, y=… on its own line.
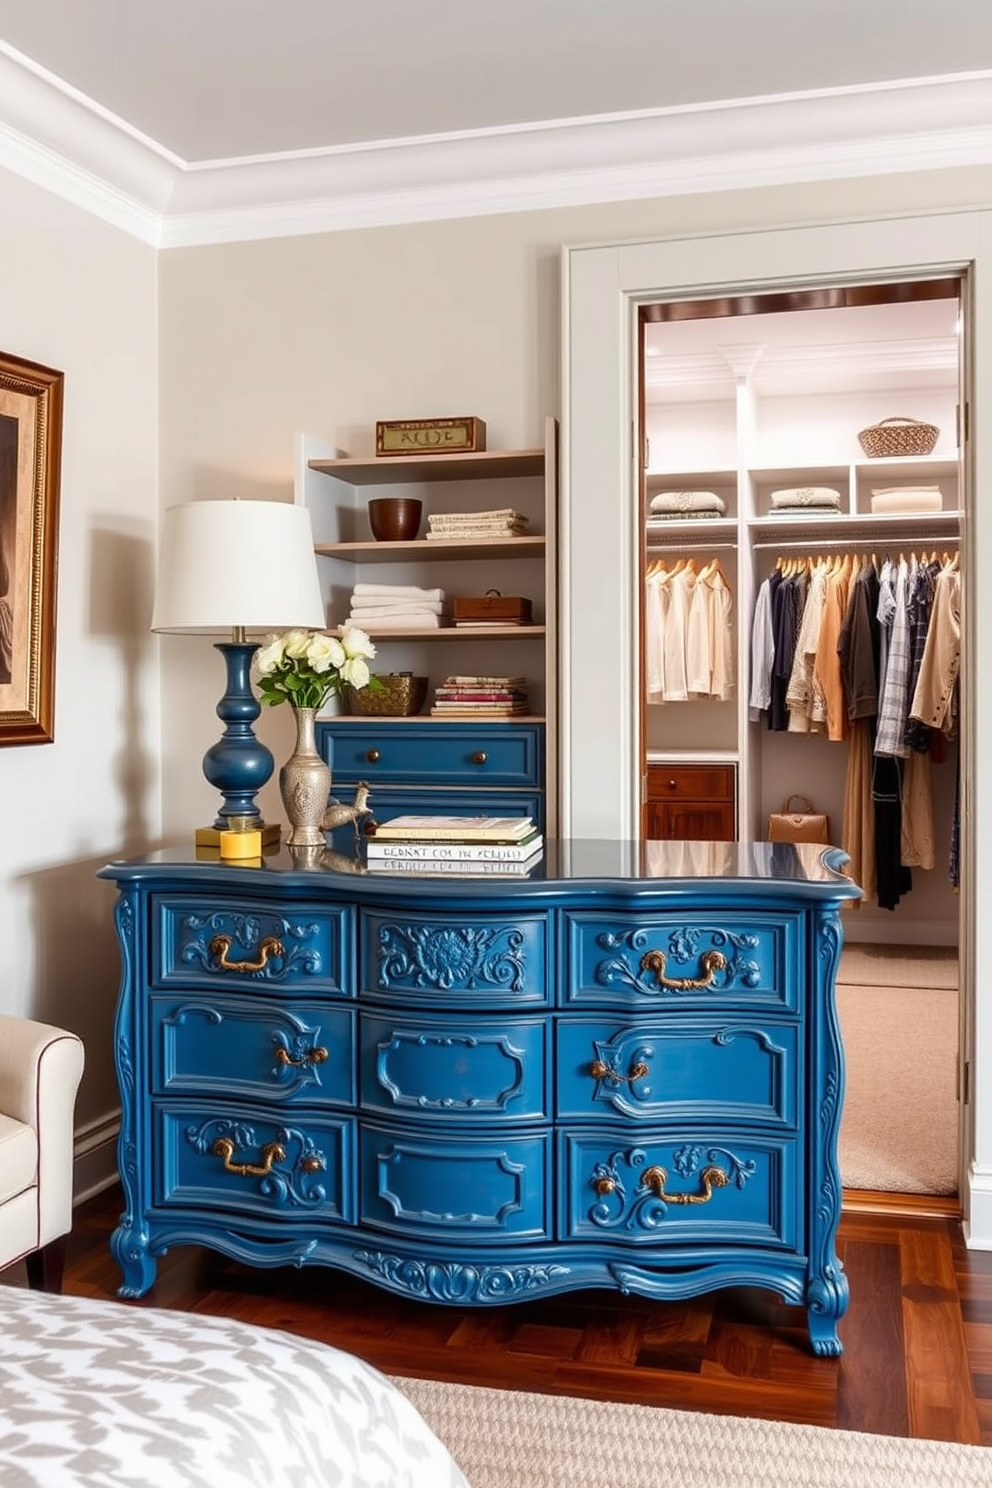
x=978, y=1218
x=94, y=1157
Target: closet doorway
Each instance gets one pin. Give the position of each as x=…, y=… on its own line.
x=800, y=487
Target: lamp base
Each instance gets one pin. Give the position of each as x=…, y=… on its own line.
x=271, y=834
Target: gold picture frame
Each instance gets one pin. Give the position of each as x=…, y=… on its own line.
x=30, y=471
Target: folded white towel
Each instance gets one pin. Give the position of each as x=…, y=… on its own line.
x=361, y=611
x=687, y=501
x=412, y=620
x=396, y=591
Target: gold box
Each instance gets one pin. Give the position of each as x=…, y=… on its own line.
x=443, y=436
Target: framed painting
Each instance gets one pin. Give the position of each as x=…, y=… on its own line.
x=30, y=465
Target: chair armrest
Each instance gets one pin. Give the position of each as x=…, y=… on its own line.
x=40, y=1070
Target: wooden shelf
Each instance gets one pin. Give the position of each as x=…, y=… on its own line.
x=479, y=465
x=454, y=633
x=434, y=550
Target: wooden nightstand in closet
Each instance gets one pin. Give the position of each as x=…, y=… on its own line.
x=691, y=803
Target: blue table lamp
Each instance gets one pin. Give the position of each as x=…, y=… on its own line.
x=227, y=568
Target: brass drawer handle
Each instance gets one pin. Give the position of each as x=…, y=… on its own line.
x=373, y=756
x=656, y=1177
x=312, y=1056
x=272, y=1152
x=710, y=962
x=270, y=946
x=600, y=1070
x=479, y=757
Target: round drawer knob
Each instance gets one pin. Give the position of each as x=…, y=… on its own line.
x=479, y=757
x=671, y=785
x=373, y=756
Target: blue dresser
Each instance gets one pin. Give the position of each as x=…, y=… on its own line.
x=624, y=1071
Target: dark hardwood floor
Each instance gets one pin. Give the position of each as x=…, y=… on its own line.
x=917, y=1336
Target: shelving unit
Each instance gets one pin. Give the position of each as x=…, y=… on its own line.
x=336, y=490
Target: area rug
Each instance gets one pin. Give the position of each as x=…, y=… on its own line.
x=898, y=1010
x=512, y=1439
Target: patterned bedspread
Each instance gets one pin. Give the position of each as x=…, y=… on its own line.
x=110, y=1396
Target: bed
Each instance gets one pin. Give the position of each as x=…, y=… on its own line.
x=98, y=1394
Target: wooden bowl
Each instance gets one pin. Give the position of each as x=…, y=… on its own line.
x=395, y=518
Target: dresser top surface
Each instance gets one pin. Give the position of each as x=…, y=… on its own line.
x=569, y=866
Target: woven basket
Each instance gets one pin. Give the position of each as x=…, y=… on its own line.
x=402, y=697
x=898, y=436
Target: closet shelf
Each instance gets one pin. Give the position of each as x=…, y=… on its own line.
x=898, y=526
x=473, y=465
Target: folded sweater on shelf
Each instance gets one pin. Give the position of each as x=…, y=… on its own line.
x=907, y=499
x=687, y=502
x=802, y=496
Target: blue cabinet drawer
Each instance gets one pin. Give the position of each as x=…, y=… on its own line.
x=255, y=1162
x=678, y=960
x=196, y=942
x=473, y=1187
x=738, y=1070
x=252, y=1047
x=679, y=1189
x=399, y=752
x=454, y=960
x=483, y=1069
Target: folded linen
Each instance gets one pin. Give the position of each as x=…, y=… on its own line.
x=793, y=496
x=360, y=611
x=411, y=620
x=907, y=499
x=396, y=591
x=687, y=501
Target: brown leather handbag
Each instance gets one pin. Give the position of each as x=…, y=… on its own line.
x=798, y=822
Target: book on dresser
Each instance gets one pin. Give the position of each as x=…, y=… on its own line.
x=492, y=829
x=455, y=852
x=466, y=867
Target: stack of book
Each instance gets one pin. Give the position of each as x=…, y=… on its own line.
x=488, y=524
x=481, y=697
x=472, y=845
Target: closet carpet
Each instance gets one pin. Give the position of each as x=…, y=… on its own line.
x=898, y=1009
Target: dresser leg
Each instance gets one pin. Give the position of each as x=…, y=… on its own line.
x=130, y=1250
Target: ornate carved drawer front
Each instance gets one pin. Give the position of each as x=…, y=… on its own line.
x=693, y=1187
x=198, y=942
x=255, y=1162
x=252, y=1047
x=475, y=1187
x=678, y=961
x=732, y=1068
x=434, y=753
x=484, y=1069
x=456, y=961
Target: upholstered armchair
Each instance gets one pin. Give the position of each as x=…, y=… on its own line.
x=40, y=1070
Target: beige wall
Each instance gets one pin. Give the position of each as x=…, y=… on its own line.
x=81, y=297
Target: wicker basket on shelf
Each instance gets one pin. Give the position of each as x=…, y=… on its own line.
x=401, y=696
x=898, y=436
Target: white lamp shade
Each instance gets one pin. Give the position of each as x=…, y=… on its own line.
x=230, y=564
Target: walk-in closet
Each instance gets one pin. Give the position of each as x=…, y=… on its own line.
x=801, y=485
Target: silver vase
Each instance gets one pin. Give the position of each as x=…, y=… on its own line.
x=305, y=784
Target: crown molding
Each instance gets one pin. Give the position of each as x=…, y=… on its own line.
x=69, y=145
x=791, y=364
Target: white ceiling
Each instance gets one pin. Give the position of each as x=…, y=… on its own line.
x=208, y=119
